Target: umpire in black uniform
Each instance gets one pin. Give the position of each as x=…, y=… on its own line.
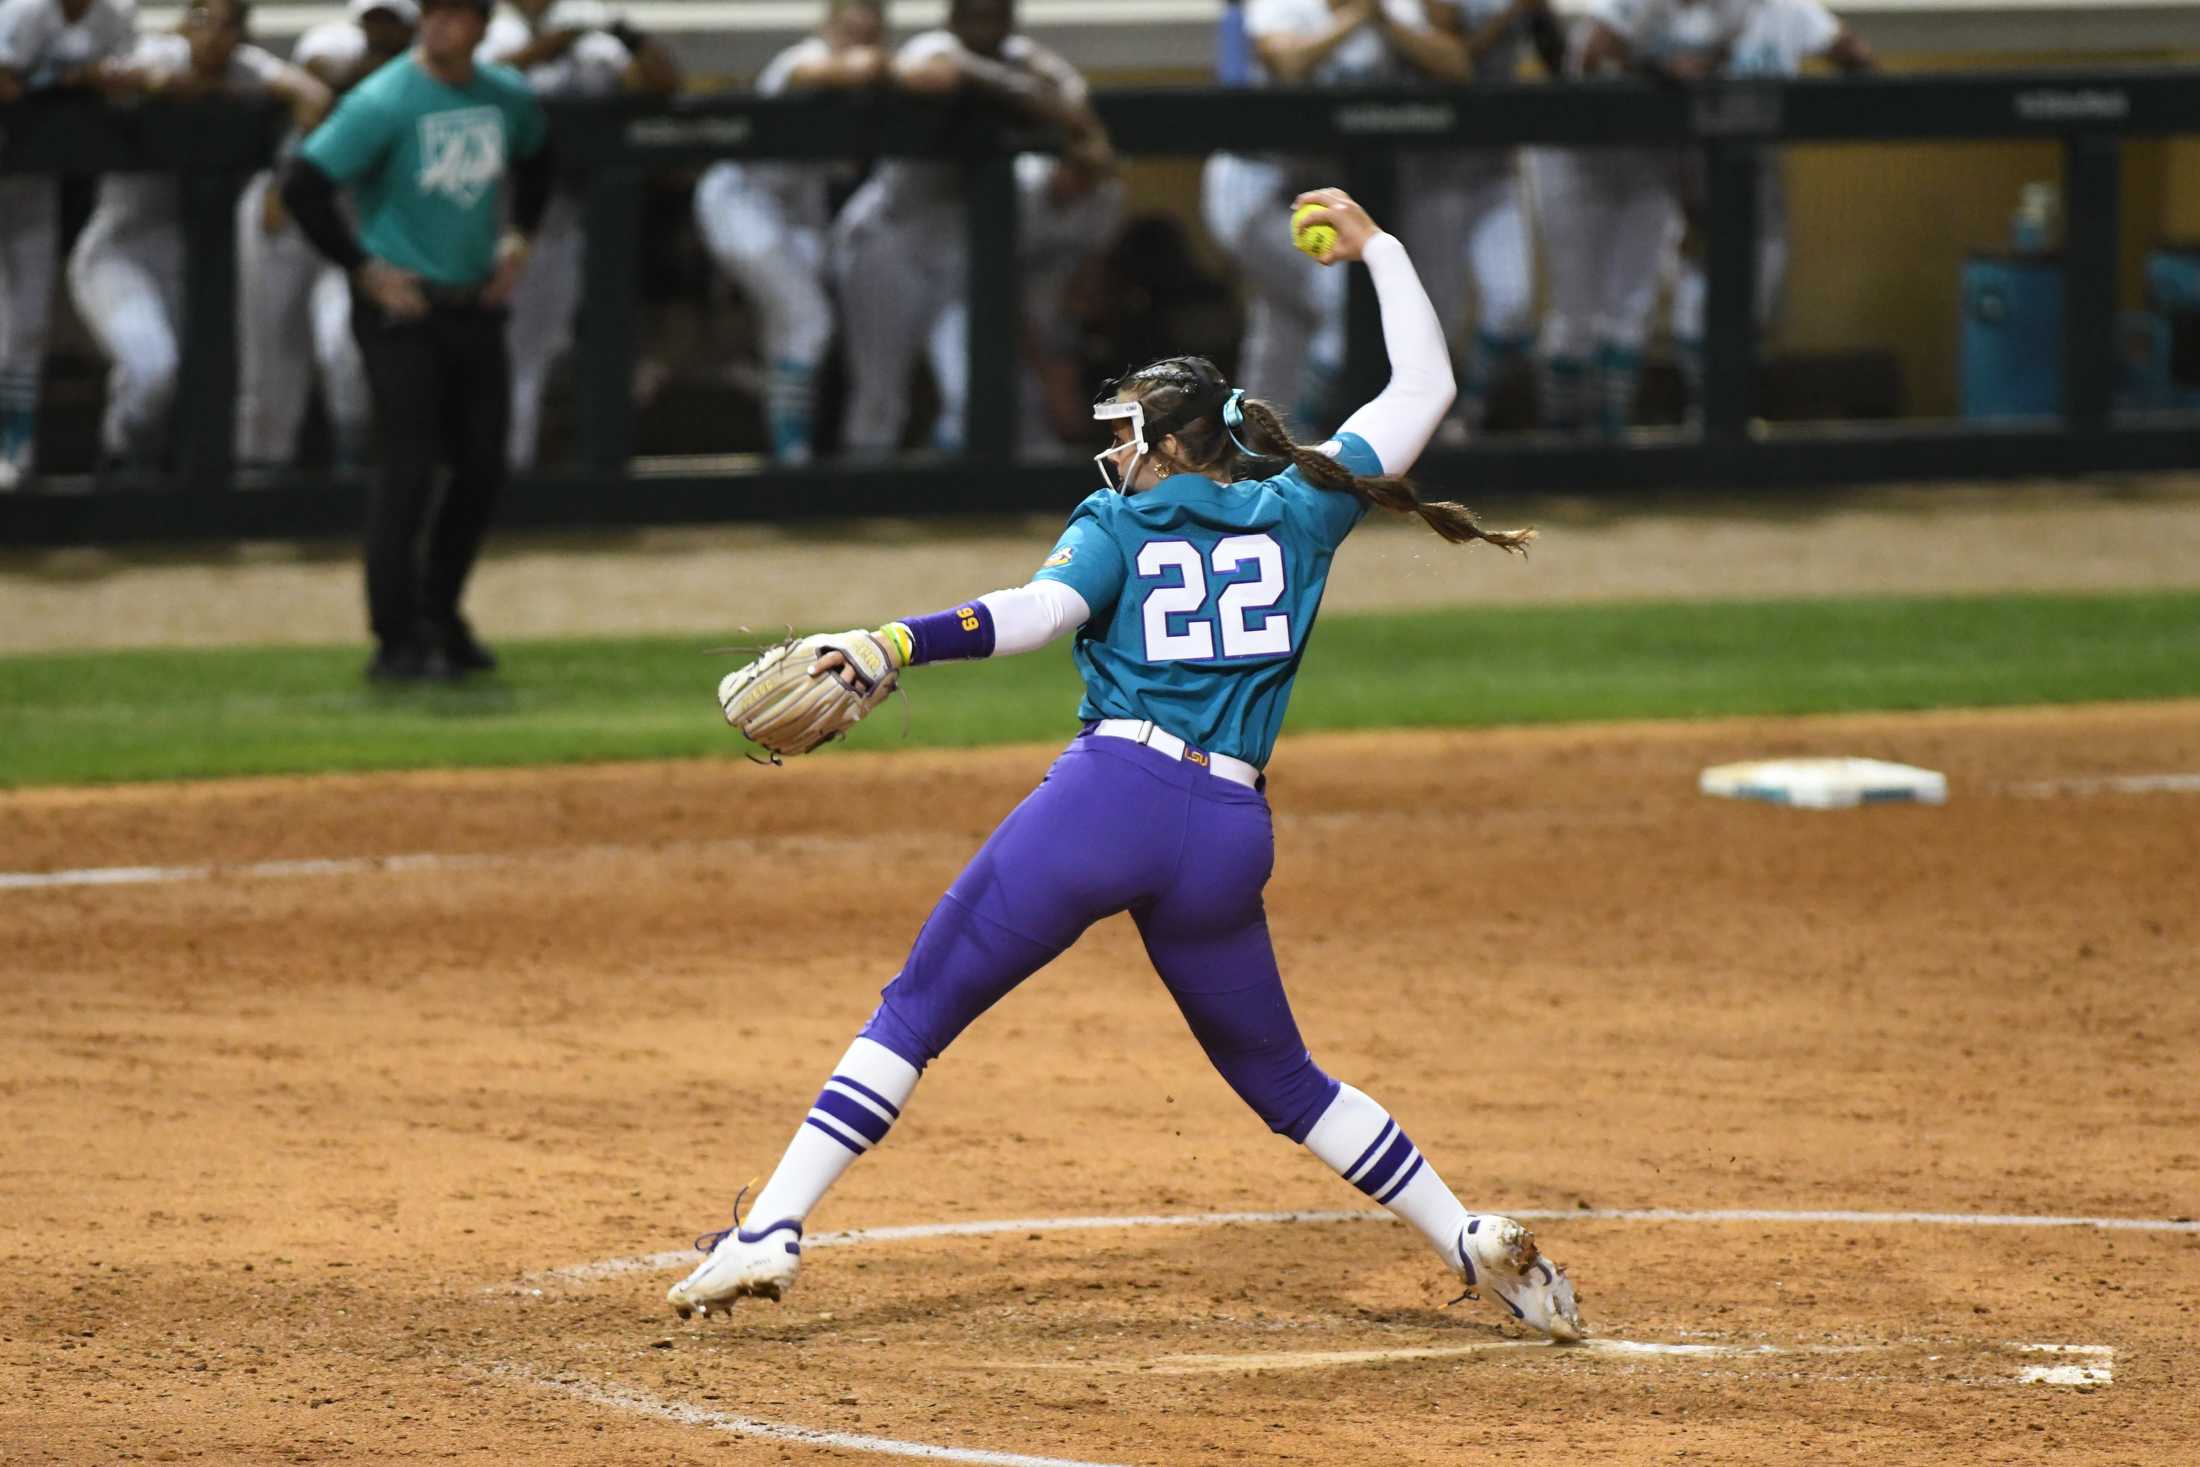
x=428, y=146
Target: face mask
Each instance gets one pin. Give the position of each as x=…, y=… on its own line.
x=1110, y=459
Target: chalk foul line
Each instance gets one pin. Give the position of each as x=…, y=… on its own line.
x=639, y=1403
x=686, y=1258
x=2106, y=784
x=2110, y=784
x=413, y=861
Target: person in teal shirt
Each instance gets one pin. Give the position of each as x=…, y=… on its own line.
x=428, y=147
x=1192, y=580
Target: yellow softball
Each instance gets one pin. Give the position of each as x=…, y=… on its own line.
x=1316, y=239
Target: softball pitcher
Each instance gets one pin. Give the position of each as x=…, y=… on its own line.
x=900, y=251
x=126, y=272
x=1612, y=216
x=44, y=45
x=1471, y=201
x=565, y=48
x=1192, y=582
x=296, y=317
x=765, y=223
x=1293, y=349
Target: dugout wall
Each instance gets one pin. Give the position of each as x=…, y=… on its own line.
x=2084, y=121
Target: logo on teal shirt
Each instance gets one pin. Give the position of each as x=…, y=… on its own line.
x=462, y=153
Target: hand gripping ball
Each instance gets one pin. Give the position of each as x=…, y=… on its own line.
x=1316, y=239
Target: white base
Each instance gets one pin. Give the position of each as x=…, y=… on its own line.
x=1825, y=784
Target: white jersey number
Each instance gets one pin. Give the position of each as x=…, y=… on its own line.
x=1242, y=636
x=1196, y=643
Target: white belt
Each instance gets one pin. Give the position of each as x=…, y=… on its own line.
x=1159, y=739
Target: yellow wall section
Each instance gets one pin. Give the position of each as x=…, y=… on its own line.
x=1879, y=234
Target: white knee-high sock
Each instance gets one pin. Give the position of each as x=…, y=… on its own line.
x=852, y=1114
x=1367, y=1148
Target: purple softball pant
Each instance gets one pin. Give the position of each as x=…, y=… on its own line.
x=1119, y=827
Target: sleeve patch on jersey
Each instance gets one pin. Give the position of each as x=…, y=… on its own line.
x=1062, y=556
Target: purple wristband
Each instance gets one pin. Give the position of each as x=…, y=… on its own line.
x=951, y=636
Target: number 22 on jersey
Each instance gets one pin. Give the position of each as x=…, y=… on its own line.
x=1181, y=617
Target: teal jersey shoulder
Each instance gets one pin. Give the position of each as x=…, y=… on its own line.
x=427, y=161
x=1203, y=599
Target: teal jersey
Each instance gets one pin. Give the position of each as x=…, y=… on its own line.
x=1203, y=599
x=427, y=163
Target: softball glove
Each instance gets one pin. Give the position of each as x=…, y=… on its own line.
x=779, y=704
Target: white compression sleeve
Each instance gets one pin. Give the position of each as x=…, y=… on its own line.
x=1399, y=423
x=1029, y=617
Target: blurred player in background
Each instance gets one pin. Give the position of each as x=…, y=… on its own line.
x=45, y=45
x=126, y=272
x=565, y=48
x=1472, y=201
x=1611, y=217
x=295, y=314
x=765, y=224
x=1295, y=310
x=1157, y=807
x=1780, y=39
x=900, y=250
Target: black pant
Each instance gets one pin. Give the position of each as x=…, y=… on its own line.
x=442, y=389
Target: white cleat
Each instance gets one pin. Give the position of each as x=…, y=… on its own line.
x=743, y=1264
x=1498, y=1254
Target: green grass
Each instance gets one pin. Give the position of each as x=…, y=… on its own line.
x=152, y=715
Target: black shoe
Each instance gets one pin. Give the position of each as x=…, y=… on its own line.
x=454, y=641
x=411, y=664
x=398, y=663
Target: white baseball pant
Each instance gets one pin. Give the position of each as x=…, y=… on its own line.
x=780, y=266
x=1468, y=209
x=343, y=371
x=293, y=314
x=129, y=291
x=1609, y=218
x=541, y=324
x=900, y=266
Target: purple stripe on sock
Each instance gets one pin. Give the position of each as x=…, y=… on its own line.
x=869, y=1094
x=1401, y=1186
x=1380, y=1174
x=854, y=1114
x=761, y=1234
x=1372, y=1147
x=828, y=1130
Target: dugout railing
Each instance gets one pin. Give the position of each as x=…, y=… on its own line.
x=606, y=149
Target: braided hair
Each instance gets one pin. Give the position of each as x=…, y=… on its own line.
x=1225, y=434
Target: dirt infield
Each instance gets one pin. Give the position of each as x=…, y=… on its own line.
x=287, y=1148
